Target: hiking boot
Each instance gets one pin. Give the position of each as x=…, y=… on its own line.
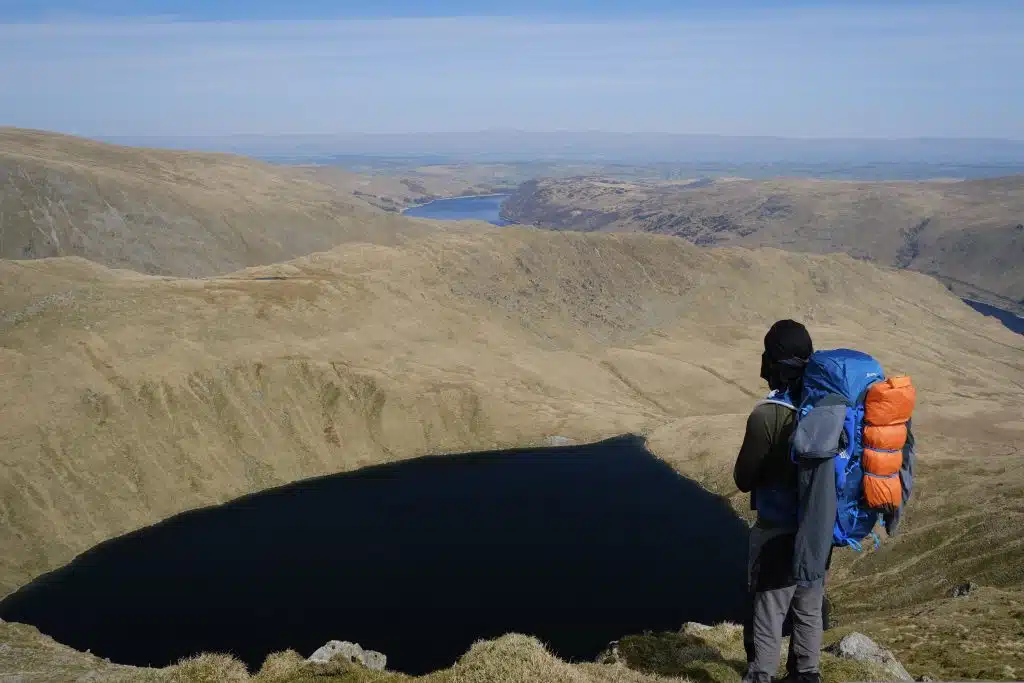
x=809, y=677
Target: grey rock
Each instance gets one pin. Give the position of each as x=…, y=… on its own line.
x=4, y=648
x=370, y=659
x=695, y=627
x=611, y=654
x=964, y=589
x=860, y=648
x=558, y=441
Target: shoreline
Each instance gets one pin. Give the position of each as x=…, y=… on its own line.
x=464, y=196
x=998, y=308
x=1008, y=319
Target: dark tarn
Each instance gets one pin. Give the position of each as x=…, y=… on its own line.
x=577, y=546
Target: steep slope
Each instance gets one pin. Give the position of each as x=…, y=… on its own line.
x=174, y=213
x=969, y=234
x=128, y=398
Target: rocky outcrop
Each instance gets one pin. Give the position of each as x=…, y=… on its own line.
x=964, y=589
x=860, y=648
x=351, y=652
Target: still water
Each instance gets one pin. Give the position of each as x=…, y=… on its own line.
x=481, y=208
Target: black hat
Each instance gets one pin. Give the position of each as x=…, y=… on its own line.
x=787, y=346
x=786, y=340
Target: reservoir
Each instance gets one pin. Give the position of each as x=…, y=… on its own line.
x=481, y=208
x=577, y=546
x=1007, y=318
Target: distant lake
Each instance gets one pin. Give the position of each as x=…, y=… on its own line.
x=479, y=208
x=1008, y=318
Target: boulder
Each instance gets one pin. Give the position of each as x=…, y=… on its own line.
x=860, y=648
x=695, y=627
x=964, y=589
x=559, y=441
x=351, y=652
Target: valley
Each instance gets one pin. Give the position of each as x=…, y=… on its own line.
x=193, y=368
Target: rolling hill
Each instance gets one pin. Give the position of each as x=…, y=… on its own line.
x=969, y=234
x=180, y=213
x=127, y=397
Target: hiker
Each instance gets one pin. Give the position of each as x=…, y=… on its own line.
x=826, y=456
x=765, y=469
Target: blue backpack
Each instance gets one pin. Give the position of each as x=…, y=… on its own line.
x=835, y=384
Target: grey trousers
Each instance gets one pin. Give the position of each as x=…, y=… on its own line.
x=775, y=595
x=770, y=608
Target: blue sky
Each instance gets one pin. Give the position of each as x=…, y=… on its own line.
x=741, y=67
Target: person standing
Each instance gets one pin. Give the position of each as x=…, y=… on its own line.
x=765, y=469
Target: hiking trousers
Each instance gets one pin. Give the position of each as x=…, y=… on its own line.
x=770, y=608
x=775, y=595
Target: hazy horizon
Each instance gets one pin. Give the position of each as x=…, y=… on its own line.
x=794, y=69
x=942, y=156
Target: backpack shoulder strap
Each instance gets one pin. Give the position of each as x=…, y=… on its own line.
x=778, y=398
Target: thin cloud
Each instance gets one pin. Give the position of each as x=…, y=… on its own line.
x=897, y=72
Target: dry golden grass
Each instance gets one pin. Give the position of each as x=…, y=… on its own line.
x=126, y=398
x=168, y=212
x=413, y=187
x=976, y=637
x=969, y=233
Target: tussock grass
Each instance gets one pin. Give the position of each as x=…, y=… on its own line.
x=279, y=666
x=698, y=655
x=209, y=668
x=715, y=655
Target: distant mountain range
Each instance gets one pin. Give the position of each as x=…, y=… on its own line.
x=511, y=145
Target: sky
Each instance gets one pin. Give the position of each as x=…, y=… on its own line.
x=793, y=68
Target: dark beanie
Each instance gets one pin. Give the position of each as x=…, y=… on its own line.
x=788, y=339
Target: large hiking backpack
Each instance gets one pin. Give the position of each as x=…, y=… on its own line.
x=868, y=446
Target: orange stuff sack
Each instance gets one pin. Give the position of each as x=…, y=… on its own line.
x=888, y=406
x=882, y=463
x=890, y=402
x=880, y=492
x=888, y=438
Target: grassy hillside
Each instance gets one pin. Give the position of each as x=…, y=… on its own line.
x=409, y=186
x=712, y=656
x=173, y=213
x=126, y=398
x=970, y=234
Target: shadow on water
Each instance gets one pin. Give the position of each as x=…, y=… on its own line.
x=577, y=545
